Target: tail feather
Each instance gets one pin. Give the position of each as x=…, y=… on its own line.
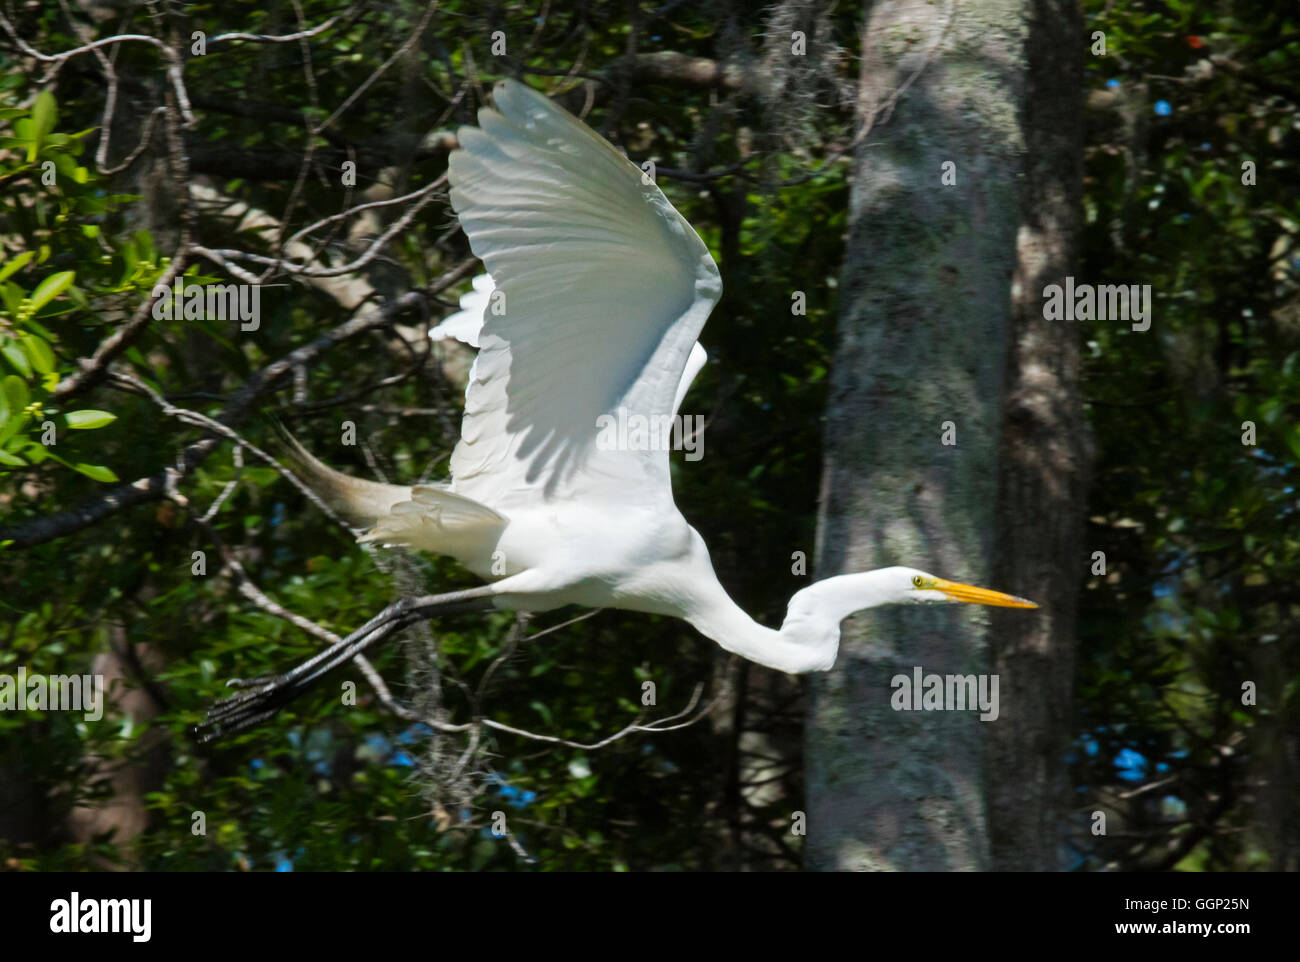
x=361, y=503
x=436, y=519
x=430, y=517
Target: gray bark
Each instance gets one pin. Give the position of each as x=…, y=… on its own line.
x=1042, y=487
x=924, y=324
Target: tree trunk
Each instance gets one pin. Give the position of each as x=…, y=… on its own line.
x=1042, y=477
x=923, y=340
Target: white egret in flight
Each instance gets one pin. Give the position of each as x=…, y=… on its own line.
x=597, y=291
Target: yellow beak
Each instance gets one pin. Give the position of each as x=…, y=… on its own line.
x=980, y=596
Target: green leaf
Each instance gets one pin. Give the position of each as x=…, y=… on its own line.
x=12, y=295
x=129, y=259
x=16, y=356
x=15, y=392
x=26, y=132
x=45, y=113
x=51, y=287
x=12, y=426
x=88, y=420
x=41, y=356
x=95, y=471
x=17, y=264
x=65, y=165
x=144, y=244
x=36, y=327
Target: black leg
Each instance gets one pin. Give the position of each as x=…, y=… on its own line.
x=268, y=694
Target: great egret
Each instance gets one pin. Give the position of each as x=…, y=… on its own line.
x=597, y=290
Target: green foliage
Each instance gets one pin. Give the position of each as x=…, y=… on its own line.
x=324, y=786
x=55, y=208
x=1199, y=531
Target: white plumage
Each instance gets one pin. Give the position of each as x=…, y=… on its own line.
x=598, y=290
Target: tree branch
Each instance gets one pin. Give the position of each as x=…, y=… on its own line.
x=154, y=487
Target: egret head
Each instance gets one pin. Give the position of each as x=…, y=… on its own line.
x=919, y=587
x=838, y=597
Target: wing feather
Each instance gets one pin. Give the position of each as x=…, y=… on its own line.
x=605, y=288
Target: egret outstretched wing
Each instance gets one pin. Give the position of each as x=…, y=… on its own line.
x=467, y=323
x=605, y=288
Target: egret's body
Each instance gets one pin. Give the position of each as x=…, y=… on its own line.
x=598, y=289
x=641, y=558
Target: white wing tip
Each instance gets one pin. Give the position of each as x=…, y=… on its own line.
x=466, y=325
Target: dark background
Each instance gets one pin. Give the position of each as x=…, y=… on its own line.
x=1137, y=697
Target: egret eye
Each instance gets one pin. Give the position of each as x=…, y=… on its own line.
x=917, y=581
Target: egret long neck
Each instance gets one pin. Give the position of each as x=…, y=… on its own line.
x=810, y=636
